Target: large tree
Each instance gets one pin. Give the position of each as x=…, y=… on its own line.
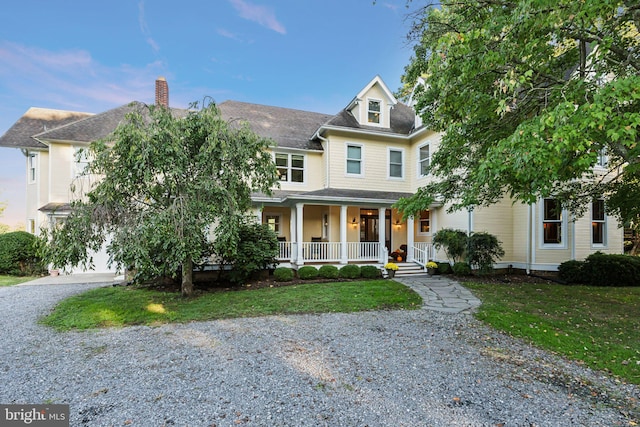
x=530, y=95
x=160, y=185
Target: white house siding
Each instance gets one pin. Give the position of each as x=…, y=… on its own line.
x=498, y=220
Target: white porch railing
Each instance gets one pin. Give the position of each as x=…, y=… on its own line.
x=363, y=251
x=422, y=253
x=321, y=251
x=330, y=251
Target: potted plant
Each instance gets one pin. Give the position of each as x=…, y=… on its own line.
x=431, y=268
x=391, y=269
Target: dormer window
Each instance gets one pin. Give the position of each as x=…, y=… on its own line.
x=373, y=112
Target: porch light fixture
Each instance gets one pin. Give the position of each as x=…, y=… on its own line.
x=354, y=221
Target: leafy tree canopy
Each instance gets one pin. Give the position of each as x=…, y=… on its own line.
x=529, y=94
x=165, y=183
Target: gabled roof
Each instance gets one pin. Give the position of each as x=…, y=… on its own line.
x=34, y=121
x=402, y=121
x=377, y=80
x=289, y=128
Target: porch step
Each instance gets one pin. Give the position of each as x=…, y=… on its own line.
x=408, y=269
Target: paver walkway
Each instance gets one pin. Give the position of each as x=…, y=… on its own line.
x=441, y=293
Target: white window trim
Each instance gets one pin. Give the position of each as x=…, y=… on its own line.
x=290, y=168
x=76, y=171
x=563, y=232
x=419, y=165
x=275, y=215
x=604, y=222
x=418, y=221
x=346, y=159
x=32, y=164
x=402, y=163
x=381, y=113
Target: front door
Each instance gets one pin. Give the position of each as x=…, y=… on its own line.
x=370, y=229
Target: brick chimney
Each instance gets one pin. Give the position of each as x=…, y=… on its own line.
x=162, y=92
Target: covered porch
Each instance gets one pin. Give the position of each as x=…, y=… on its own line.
x=342, y=227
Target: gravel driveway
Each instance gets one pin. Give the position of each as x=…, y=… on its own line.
x=385, y=368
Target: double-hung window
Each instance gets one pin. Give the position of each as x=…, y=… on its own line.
x=373, y=111
x=425, y=222
x=290, y=167
x=598, y=223
x=80, y=161
x=424, y=160
x=354, y=159
x=33, y=164
x=273, y=223
x=552, y=223
x=396, y=163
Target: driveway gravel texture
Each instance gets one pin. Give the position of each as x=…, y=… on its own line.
x=380, y=368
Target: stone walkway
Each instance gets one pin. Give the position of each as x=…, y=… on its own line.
x=441, y=293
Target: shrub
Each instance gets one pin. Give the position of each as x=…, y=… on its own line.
x=611, y=270
x=307, y=272
x=370, y=272
x=444, y=268
x=572, y=272
x=18, y=254
x=453, y=242
x=483, y=251
x=329, y=272
x=461, y=269
x=257, y=250
x=350, y=271
x=283, y=274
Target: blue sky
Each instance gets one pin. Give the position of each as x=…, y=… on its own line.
x=92, y=56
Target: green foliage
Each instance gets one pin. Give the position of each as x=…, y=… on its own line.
x=257, y=251
x=444, y=268
x=18, y=255
x=571, y=272
x=461, y=269
x=307, y=272
x=611, y=270
x=370, y=272
x=165, y=179
x=528, y=94
x=484, y=250
x=283, y=274
x=453, y=242
x=350, y=271
x=329, y=272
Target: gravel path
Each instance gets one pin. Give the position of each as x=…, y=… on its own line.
x=387, y=368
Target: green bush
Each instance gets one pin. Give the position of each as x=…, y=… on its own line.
x=329, y=272
x=453, y=242
x=461, y=269
x=571, y=272
x=350, y=271
x=18, y=254
x=257, y=250
x=283, y=274
x=444, y=268
x=307, y=272
x=483, y=251
x=611, y=270
x=370, y=272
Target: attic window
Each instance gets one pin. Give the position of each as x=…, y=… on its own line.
x=373, y=112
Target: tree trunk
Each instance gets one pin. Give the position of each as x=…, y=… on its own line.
x=187, y=278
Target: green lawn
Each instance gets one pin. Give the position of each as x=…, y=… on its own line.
x=598, y=325
x=14, y=280
x=122, y=306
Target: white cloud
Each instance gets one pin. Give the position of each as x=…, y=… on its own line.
x=260, y=14
x=145, y=28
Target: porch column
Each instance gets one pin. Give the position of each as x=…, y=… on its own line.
x=299, y=233
x=410, y=238
x=344, y=257
x=292, y=233
x=382, y=234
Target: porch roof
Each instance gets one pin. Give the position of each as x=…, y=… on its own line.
x=333, y=196
x=54, y=207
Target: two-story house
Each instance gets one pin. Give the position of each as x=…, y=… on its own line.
x=339, y=177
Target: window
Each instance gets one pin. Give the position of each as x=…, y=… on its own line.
x=373, y=112
x=273, y=222
x=424, y=160
x=33, y=162
x=80, y=161
x=598, y=222
x=425, y=222
x=31, y=226
x=290, y=167
x=552, y=222
x=354, y=159
x=395, y=163
x=603, y=159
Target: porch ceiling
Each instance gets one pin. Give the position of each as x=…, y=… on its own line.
x=334, y=196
